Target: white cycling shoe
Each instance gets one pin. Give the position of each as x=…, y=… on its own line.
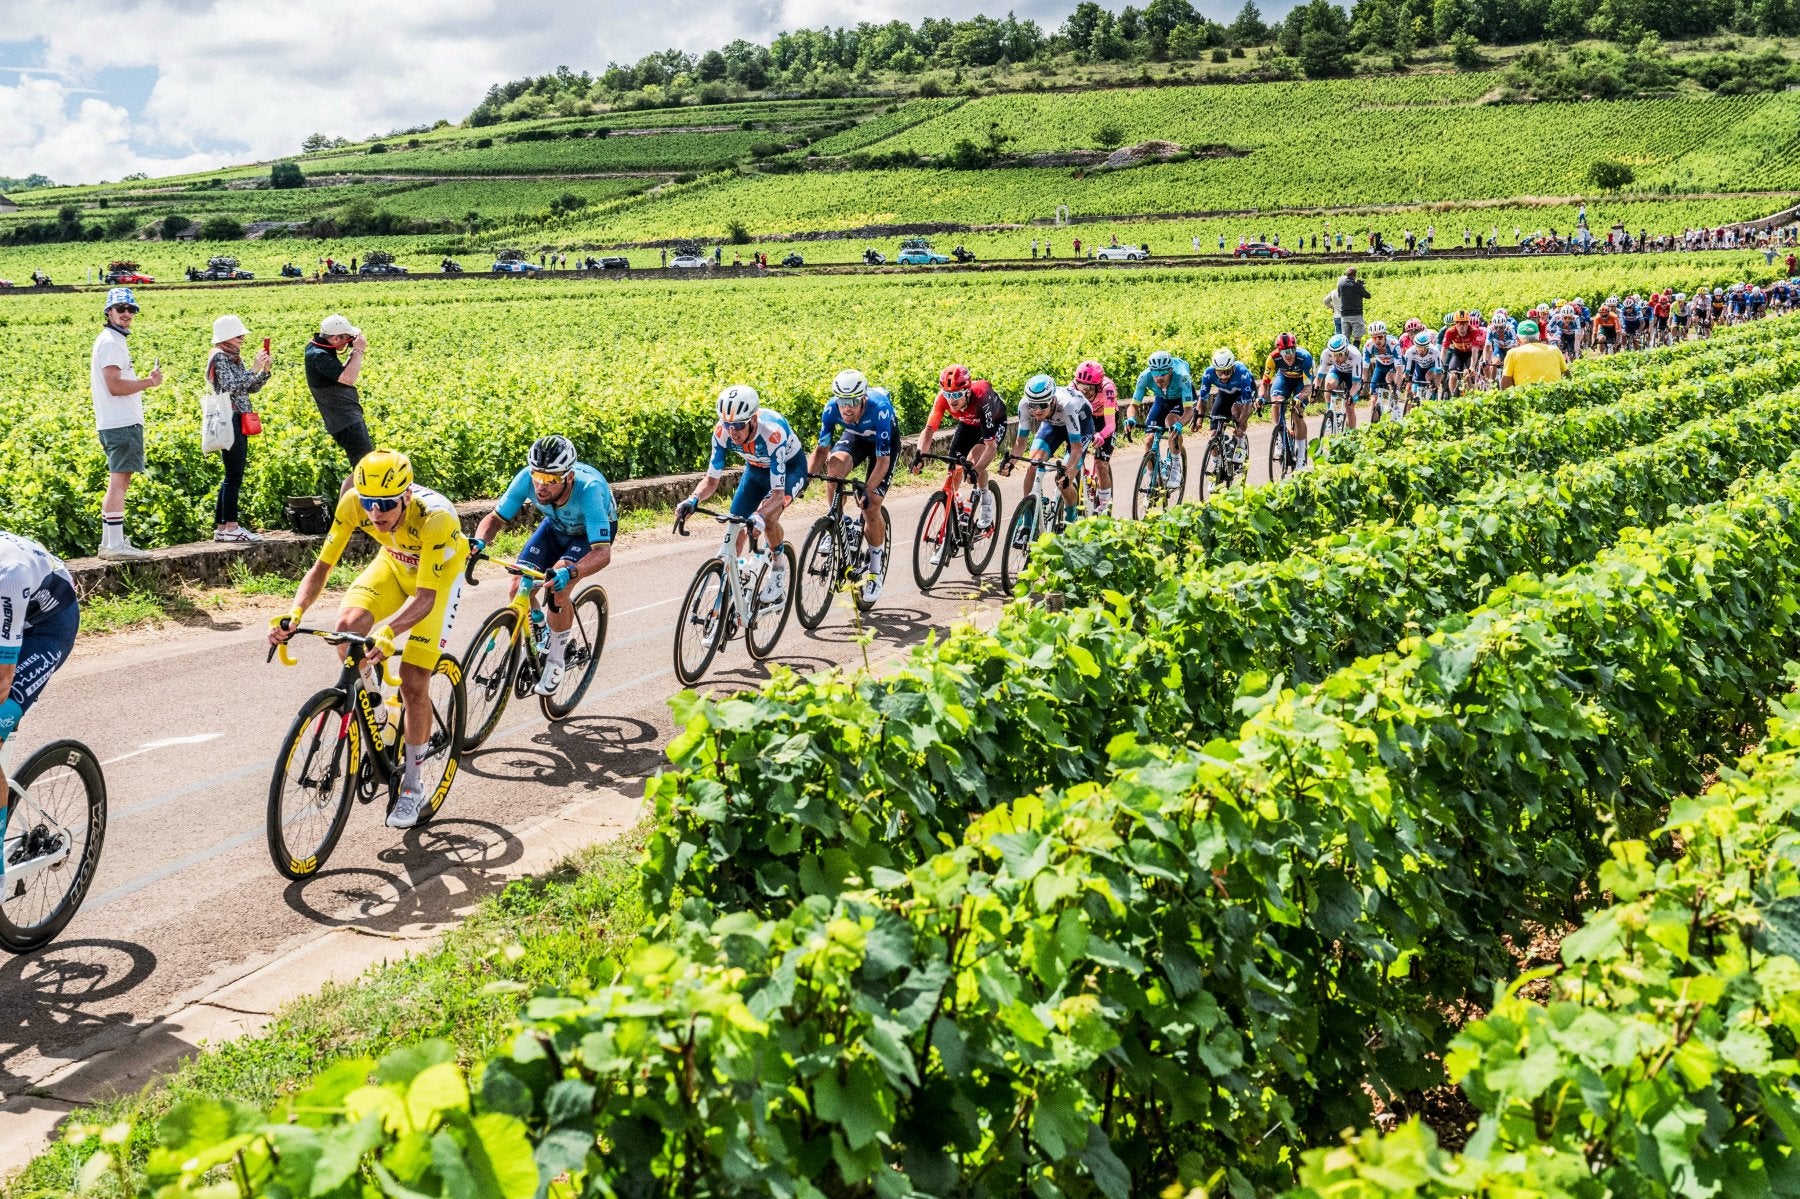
x=409, y=810
x=984, y=510
x=775, y=587
x=871, y=590
x=550, y=680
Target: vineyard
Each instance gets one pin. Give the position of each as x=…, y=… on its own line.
x=465, y=380
x=1164, y=887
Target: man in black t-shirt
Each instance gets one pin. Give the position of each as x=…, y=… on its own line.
x=332, y=381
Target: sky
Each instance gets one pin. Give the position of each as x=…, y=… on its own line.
x=95, y=90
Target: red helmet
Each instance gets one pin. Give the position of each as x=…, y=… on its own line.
x=1287, y=341
x=1090, y=373
x=954, y=378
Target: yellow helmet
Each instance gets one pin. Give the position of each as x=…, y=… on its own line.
x=383, y=474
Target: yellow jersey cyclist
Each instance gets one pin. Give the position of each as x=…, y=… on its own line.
x=413, y=584
x=573, y=541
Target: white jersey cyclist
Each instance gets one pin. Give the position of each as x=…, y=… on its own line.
x=39, y=615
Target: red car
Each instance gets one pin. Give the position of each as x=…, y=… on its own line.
x=1261, y=249
x=123, y=277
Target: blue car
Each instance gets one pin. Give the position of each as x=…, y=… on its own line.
x=918, y=257
x=516, y=268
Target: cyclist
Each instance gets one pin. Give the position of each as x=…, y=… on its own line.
x=1703, y=312
x=1102, y=395
x=1632, y=316
x=39, y=615
x=1287, y=376
x=413, y=584
x=858, y=427
x=1233, y=391
x=1678, y=317
x=573, y=541
x=774, y=473
x=1565, y=331
x=1608, y=326
x=980, y=416
x=1340, y=369
x=1661, y=305
x=1502, y=336
x=1382, y=358
x=1422, y=366
x=1168, y=381
x=1052, y=417
x=1459, y=345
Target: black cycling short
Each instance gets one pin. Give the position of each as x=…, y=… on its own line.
x=1457, y=360
x=1223, y=402
x=966, y=437
x=862, y=451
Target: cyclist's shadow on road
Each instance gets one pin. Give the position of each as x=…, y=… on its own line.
x=897, y=625
x=441, y=870
x=47, y=997
x=591, y=752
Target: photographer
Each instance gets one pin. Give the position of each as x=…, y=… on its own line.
x=332, y=381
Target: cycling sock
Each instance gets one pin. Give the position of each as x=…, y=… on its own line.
x=559, y=640
x=876, y=554
x=112, y=530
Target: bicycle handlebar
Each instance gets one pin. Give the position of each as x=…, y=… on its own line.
x=952, y=459
x=512, y=566
x=333, y=637
x=724, y=518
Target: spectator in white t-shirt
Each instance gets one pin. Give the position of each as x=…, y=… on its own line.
x=119, y=418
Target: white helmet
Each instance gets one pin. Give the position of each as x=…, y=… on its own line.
x=850, y=385
x=1223, y=359
x=738, y=402
x=1378, y=328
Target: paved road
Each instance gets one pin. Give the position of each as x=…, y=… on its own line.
x=187, y=722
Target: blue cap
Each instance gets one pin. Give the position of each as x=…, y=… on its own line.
x=121, y=296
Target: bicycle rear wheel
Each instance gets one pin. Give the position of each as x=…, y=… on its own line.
x=443, y=749
x=1021, y=531
x=581, y=654
x=487, y=681
x=700, y=625
x=931, y=542
x=309, y=795
x=822, y=563
x=50, y=844
x=982, y=542
x=767, y=620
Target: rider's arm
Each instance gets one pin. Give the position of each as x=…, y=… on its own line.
x=938, y=408
x=9, y=717
x=511, y=503
x=312, y=585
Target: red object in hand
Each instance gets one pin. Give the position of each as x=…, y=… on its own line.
x=265, y=345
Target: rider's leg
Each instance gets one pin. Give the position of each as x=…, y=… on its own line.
x=1350, y=406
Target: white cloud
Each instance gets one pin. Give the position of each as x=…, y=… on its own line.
x=241, y=80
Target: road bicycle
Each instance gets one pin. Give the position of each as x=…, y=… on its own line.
x=1331, y=420
x=347, y=740
x=725, y=599
x=50, y=839
x=1161, y=473
x=1039, y=512
x=1225, y=460
x=834, y=557
x=1385, y=404
x=1287, y=453
x=507, y=657
x=947, y=526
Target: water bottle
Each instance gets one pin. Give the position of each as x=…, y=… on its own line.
x=540, y=633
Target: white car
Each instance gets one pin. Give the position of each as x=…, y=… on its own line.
x=688, y=262
x=1121, y=254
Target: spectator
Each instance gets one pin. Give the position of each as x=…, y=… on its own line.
x=332, y=381
x=1351, y=293
x=1531, y=361
x=1792, y=263
x=226, y=373
x=1221, y=243
x=119, y=419
x=352, y=266
x=1078, y=247
x=718, y=255
x=1034, y=248
x=665, y=257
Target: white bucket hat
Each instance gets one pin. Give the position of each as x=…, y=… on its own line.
x=228, y=327
x=337, y=326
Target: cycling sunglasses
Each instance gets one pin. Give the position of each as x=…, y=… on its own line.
x=736, y=426
x=548, y=478
x=957, y=397
x=378, y=504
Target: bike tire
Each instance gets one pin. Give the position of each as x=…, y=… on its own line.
x=1021, y=531
x=592, y=611
x=334, y=735
x=1212, y=469
x=694, y=621
x=1148, y=495
x=823, y=557
x=1278, y=465
x=449, y=710
x=761, y=616
x=488, y=678
x=887, y=560
x=930, y=540
x=73, y=756
x=979, y=552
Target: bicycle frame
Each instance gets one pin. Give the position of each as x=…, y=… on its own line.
x=362, y=708
x=21, y=805
x=741, y=600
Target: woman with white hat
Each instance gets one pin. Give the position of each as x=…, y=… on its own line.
x=226, y=372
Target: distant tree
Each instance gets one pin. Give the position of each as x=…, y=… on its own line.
x=712, y=67
x=1164, y=17
x=315, y=142
x=286, y=174
x=174, y=225
x=1109, y=136
x=1248, y=28
x=1465, y=50
x=1186, y=42
x=1609, y=174
x=221, y=228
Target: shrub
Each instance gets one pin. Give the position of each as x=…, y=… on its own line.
x=174, y=225
x=1609, y=174
x=221, y=228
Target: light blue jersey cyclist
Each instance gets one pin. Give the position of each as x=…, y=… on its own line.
x=1168, y=383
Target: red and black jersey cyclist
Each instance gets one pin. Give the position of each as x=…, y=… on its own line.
x=980, y=417
x=1460, y=344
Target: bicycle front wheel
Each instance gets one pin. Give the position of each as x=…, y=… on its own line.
x=581, y=653
x=700, y=625
x=1278, y=453
x=932, y=541
x=769, y=619
x=50, y=843
x=309, y=795
x=982, y=542
x=487, y=682
x=822, y=559
x=1213, y=468
x=1021, y=531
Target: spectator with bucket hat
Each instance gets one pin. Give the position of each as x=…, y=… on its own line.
x=119, y=419
x=228, y=376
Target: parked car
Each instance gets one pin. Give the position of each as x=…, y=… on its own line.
x=121, y=271
x=1261, y=249
x=222, y=267
x=615, y=263
x=516, y=268
x=792, y=258
x=688, y=262
x=915, y=256
x=1121, y=254
x=6, y=282
x=381, y=268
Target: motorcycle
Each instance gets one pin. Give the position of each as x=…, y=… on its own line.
x=873, y=258
x=793, y=259
x=290, y=271
x=451, y=267
x=962, y=255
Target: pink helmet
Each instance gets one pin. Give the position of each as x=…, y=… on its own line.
x=1090, y=373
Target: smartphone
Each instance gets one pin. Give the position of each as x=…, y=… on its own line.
x=265, y=345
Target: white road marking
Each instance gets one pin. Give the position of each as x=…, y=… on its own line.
x=165, y=743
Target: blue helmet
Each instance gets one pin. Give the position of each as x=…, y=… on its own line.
x=1040, y=390
x=1161, y=362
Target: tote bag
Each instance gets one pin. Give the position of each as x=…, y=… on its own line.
x=217, y=429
